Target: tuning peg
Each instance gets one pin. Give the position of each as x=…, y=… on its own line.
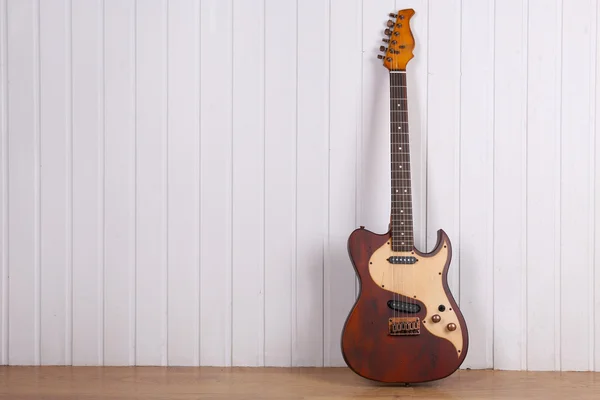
x=392, y=15
x=385, y=40
x=390, y=23
x=380, y=56
x=382, y=48
x=388, y=32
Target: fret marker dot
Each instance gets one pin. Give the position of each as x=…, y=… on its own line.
x=405, y=191
x=401, y=211
x=401, y=166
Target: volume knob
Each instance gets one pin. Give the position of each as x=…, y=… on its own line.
x=436, y=318
x=451, y=326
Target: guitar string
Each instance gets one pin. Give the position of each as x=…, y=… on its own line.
x=394, y=310
x=395, y=162
x=404, y=163
x=396, y=159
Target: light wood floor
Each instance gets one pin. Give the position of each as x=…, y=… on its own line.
x=89, y=383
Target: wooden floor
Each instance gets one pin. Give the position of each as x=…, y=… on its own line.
x=89, y=383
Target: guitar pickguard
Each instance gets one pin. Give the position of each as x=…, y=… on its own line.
x=420, y=280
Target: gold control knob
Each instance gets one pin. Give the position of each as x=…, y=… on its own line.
x=451, y=327
x=436, y=318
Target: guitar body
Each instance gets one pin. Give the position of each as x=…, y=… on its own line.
x=367, y=345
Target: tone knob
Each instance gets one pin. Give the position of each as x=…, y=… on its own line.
x=451, y=326
x=436, y=318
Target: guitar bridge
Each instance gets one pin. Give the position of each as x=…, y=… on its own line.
x=404, y=326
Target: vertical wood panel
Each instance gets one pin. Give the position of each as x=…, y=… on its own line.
x=345, y=80
x=216, y=170
x=3, y=184
x=417, y=112
x=312, y=173
x=119, y=302
x=248, y=183
x=88, y=182
x=184, y=185
x=592, y=176
x=509, y=155
x=23, y=181
x=575, y=207
x=443, y=180
x=151, y=155
x=596, y=163
x=541, y=153
x=55, y=129
x=476, y=180
x=374, y=175
x=280, y=178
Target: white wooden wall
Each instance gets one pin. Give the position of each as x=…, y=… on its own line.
x=178, y=178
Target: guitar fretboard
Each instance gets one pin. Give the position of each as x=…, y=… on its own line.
x=402, y=219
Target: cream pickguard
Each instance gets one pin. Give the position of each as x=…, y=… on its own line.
x=421, y=281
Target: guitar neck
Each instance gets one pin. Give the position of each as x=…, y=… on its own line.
x=402, y=216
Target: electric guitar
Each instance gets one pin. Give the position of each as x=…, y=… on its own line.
x=405, y=326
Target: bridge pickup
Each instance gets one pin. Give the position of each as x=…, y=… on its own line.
x=404, y=326
x=403, y=306
x=402, y=260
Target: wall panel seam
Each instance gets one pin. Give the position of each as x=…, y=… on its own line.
x=102, y=189
x=592, y=176
x=262, y=266
x=37, y=188
x=294, y=294
x=69, y=134
x=134, y=266
x=4, y=168
x=165, y=171
x=457, y=166
x=491, y=219
x=229, y=274
x=524, y=167
x=325, y=315
x=558, y=200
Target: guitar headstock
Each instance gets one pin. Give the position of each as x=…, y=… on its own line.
x=400, y=41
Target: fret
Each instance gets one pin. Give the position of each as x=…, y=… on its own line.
x=401, y=200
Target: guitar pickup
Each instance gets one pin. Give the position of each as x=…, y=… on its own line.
x=402, y=260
